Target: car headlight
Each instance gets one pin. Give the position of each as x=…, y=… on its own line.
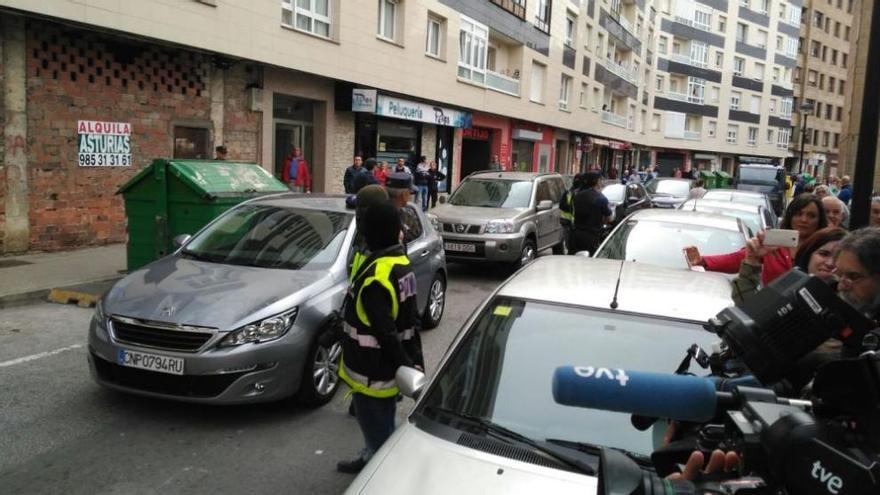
x=99, y=312
x=435, y=222
x=271, y=328
x=499, y=227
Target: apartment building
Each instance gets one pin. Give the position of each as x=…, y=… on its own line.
x=822, y=82
x=543, y=84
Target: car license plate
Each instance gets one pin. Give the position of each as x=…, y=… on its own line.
x=151, y=362
x=456, y=246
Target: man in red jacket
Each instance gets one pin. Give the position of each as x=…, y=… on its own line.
x=296, y=172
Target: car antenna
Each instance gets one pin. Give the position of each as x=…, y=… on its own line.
x=617, y=287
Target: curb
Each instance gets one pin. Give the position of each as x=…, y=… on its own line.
x=70, y=294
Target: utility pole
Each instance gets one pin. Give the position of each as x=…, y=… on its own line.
x=866, y=153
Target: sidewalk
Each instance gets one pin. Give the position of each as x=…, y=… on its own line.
x=80, y=276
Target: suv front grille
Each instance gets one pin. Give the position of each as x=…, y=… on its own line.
x=461, y=228
x=159, y=337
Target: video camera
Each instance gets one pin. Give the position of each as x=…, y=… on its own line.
x=828, y=444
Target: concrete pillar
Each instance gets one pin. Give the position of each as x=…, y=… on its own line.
x=17, y=238
x=218, y=87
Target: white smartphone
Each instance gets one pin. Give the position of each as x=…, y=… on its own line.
x=781, y=238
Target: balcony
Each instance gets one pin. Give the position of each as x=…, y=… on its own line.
x=502, y=83
x=614, y=119
x=620, y=70
x=784, y=84
x=687, y=60
x=515, y=7
x=674, y=95
x=626, y=24
x=695, y=25
x=692, y=135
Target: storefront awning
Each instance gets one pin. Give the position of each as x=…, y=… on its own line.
x=618, y=145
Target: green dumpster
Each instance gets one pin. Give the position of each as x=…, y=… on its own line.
x=724, y=179
x=708, y=179
x=173, y=197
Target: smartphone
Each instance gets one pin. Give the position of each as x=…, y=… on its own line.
x=691, y=256
x=781, y=238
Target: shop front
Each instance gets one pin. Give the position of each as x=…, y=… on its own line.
x=531, y=147
x=476, y=149
x=707, y=162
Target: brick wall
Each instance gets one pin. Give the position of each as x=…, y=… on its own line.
x=240, y=126
x=79, y=75
x=341, y=156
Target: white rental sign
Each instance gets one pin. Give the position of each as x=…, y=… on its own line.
x=103, y=144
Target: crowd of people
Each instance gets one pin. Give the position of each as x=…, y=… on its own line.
x=425, y=176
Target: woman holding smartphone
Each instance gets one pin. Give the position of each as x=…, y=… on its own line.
x=804, y=214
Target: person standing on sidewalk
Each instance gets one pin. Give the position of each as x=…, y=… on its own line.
x=422, y=180
x=221, y=152
x=365, y=177
x=380, y=331
x=591, y=213
x=435, y=177
x=350, y=173
x=296, y=172
x=381, y=172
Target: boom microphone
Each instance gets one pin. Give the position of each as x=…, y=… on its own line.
x=681, y=397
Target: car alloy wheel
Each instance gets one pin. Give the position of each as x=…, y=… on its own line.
x=436, y=303
x=528, y=254
x=326, y=369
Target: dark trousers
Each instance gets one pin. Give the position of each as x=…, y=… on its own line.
x=583, y=240
x=376, y=419
x=433, y=198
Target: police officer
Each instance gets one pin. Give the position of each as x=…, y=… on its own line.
x=566, y=209
x=591, y=213
x=400, y=190
x=380, y=334
x=366, y=197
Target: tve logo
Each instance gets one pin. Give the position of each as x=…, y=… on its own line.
x=832, y=482
x=599, y=373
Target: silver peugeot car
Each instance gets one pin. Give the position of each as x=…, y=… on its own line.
x=234, y=315
x=502, y=216
x=487, y=421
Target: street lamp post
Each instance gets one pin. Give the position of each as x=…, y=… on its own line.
x=806, y=108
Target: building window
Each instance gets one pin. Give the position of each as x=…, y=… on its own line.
x=772, y=105
x=812, y=76
x=585, y=93
x=821, y=81
x=782, y=138
x=826, y=137
x=742, y=32
x=843, y=60
x=761, y=39
x=825, y=53
x=755, y=106
x=732, y=131
x=794, y=15
x=473, y=44
x=515, y=7
x=536, y=89
x=570, y=33
x=715, y=94
x=659, y=84
x=696, y=90
x=836, y=29
x=815, y=48
x=655, y=122
x=752, y=138
x=434, y=42
x=739, y=66
x=542, y=15
x=840, y=87
x=722, y=23
x=597, y=99
x=191, y=142
x=387, y=19
x=818, y=18
x=836, y=140
x=719, y=60
x=759, y=71
x=311, y=16
x=791, y=47
x=839, y=114
x=818, y=107
x=711, y=128
x=765, y=7
x=785, y=107
x=770, y=136
x=661, y=45
x=702, y=20
x=846, y=33
x=735, y=97
x=829, y=112
x=564, y=92
x=588, y=37
x=776, y=74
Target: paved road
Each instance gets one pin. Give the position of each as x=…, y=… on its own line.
x=59, y=432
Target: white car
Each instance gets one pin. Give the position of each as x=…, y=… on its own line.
x=487, y=422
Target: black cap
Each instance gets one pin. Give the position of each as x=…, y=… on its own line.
x=591, y=179
x=221, y=149
x=381, y=226
x=400, y=180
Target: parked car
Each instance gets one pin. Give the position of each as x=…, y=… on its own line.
x=502, y=216
x=658, y=237
x=766, y=179
x=744, y=197
x=756, y=217
x=234, y=315
x=668, y=192
x=625, y=199
x=487, y=421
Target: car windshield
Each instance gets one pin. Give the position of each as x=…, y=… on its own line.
x=671, y=187
x=760, y=175
x=493, y=193
x=746, y=199
x=272, y=237
x=661, y=243
x=614, y=192
x=751, y=219
x=503, y=368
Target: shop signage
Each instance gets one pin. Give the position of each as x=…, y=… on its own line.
x=617, y=145
x=703, y=156
x=755, y=159
x=527, y=135
x=363, y=100
x=421, y=112
x=103, y=144
x=477, y=133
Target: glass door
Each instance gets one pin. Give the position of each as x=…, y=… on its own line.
x=289, y=135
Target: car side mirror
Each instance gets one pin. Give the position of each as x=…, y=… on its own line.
x=181, y=239
x=585, y=254
x=410, y=381
x=545, y=205
x=442, y=200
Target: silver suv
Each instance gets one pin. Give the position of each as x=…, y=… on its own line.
x=502, y=216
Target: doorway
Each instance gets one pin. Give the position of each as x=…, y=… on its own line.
x=292, y=122
x=475, y=155
x=522, y=155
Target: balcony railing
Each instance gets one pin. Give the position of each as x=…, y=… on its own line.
x=627, y=25
x=674, y=95
x=515, y=7
x=620, y=70
x=684, y=59
x=502, y=83
x=692, y=135
x=784, y=84
x=614, y=119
